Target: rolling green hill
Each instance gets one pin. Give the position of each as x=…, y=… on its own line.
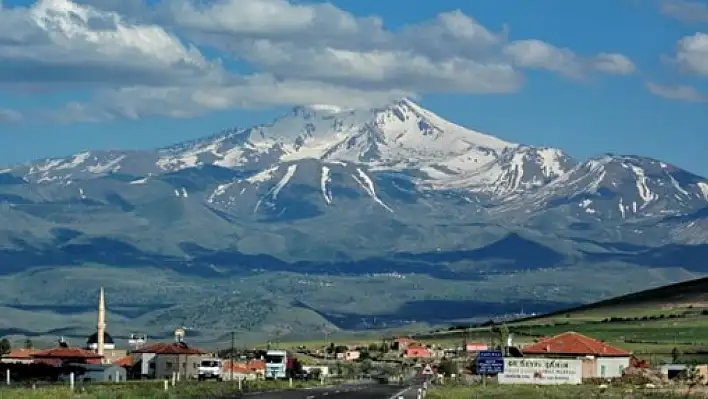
x=659, y=323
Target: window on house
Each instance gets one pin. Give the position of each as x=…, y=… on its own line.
x=168, y=365
x=603, y=370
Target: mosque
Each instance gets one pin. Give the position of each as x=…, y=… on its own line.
x=101, y=341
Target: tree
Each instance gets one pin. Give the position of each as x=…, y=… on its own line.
x=28, y=344
x=384, y=347
x=502, y=334
x=366, y=366
x=675, y=355
x=448, y=367
x=5, y=346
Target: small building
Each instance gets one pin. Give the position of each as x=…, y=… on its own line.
x=321, y=370
x=239, y=371
x=417, y=353
x=256, y=366
x=21, y=356
x=66, y=355
x=474, y=347
x=349, y=355
x=99, y=373
x=162, y=360
x=672, y=371
x=401, y=344
x=599, y=359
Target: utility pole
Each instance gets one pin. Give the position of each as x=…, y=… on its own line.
x=233, y=350
x=326, y=333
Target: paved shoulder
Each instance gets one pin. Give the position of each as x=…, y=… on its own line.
x=339, y=392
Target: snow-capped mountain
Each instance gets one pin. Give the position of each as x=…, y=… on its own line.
x=401, y=137
x=398, y=164
x=617, y=187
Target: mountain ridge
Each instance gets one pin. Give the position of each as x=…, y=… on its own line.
x=364, y=197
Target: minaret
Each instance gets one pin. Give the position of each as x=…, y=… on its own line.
x=101, y=322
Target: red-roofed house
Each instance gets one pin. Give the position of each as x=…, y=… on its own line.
x=161, y=360
x=19, y=356
x=245, y=371
x=125, y=362
x=599, y=358
x=401, y=344
x=418, y=353
x=62, y=355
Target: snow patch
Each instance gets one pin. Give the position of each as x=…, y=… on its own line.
x=139, y=181
x=704, y=189
x=642, y=188
x=220, y=190
x=273, y=193
x=324, y=180
x=110, y=166
x=365, y=181
x=263, y=176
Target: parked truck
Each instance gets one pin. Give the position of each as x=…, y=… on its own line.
x=210, y=369
x=282, y=364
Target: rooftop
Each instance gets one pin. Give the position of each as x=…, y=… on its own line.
x=93, y=339
x=62, y=352
x=573, y=343
x=175, y=348
x=20, y=354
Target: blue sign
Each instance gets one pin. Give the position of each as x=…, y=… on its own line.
x=489, y=354
x=490, y=363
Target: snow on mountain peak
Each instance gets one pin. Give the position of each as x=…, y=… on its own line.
x=621, y=187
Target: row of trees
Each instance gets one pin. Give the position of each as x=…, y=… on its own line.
x=6, y=346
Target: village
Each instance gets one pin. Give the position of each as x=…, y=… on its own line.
x=569, y=358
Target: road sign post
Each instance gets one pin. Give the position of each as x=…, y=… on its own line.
x=489, y=363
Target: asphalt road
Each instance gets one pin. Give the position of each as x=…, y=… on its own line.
x=357, y=391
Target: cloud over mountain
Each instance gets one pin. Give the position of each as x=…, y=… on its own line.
x=132, y=59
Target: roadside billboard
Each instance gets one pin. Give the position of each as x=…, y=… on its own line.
x=539, y=371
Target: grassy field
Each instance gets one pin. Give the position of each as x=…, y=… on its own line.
x=653, y=324
x=147, y=390
x=654, y=339
x=545, y=392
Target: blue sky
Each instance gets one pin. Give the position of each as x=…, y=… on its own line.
x=624, y=76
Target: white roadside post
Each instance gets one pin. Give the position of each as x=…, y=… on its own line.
x=7, y=376
x=167, y=385
x=71, y=381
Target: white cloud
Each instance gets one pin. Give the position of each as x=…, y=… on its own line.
x=692, y=54
x=9, y=115
x=685, y=10
x=680, y=92
x=128, y=55
x=541, y=55
x=613, y=63
x=56, y=42
x=249, y=92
